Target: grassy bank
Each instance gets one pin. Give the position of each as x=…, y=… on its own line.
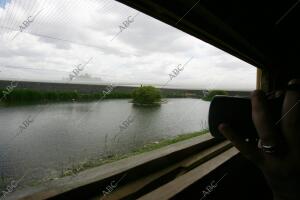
x=146, y=148
x=25, y=96
x=107, y=159
x=212, y=93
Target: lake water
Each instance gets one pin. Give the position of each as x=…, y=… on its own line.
x=57, y=136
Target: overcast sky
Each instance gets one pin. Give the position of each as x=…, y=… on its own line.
x=66, y=33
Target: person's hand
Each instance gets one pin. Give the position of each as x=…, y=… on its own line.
x=278, y=152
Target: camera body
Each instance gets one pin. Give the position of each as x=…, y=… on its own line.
x=237, y=112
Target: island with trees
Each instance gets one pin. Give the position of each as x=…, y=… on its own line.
x=208, y=96
x=146, y=96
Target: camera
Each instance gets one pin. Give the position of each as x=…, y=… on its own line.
x=237, y=112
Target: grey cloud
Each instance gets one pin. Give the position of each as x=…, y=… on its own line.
x=70, y=32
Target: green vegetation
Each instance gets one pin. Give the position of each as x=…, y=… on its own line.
x=75, y=169
x=177, y=94
x=116, y=157
x=210, y=95
x=24, y=96
x=146, y=95
x=166, y=142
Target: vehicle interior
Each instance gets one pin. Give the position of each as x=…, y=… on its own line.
x=261, y=33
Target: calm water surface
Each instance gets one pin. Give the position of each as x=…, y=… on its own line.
x=65, y=134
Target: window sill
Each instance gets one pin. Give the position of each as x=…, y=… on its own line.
x=180, y=159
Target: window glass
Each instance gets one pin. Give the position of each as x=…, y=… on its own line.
x=67, y=72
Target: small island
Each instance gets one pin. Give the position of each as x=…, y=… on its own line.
x=210, y=94
x=146, y=96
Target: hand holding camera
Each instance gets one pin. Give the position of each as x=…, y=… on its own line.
x=267, y=132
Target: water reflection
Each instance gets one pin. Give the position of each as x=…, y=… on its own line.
x=56, y=140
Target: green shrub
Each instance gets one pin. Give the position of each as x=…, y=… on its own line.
x=210, y=95
x=146, y=95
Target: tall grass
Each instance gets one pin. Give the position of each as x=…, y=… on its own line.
x=20, y=96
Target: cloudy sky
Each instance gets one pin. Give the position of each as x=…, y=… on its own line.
x=58, y=35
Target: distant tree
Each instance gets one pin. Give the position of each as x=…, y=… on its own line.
x=146, y=95
x=210, y=94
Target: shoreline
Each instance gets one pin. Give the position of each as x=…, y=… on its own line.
x=109, y=158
